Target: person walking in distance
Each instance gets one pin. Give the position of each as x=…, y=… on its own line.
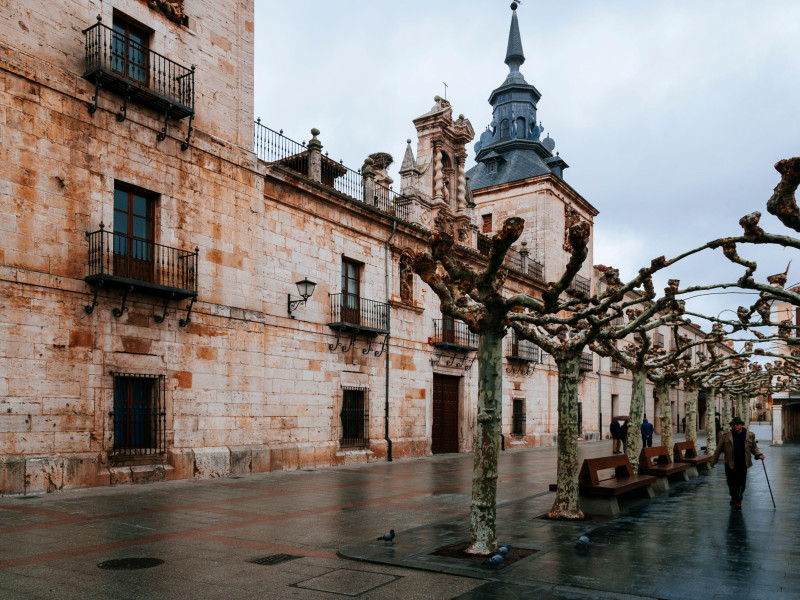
x=623, y=434
x=616, y=432
x=647, y=433
x=737, y=445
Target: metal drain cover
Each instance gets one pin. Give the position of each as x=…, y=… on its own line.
x=273, y=559
x=130, y=564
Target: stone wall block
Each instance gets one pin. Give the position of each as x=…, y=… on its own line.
x=12, y=475
x=44, y=474
x=211, y=462
x=241, y=459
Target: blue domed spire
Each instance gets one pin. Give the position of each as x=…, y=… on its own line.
x=514, y=54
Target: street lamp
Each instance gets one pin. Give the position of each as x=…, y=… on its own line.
x=305, y=288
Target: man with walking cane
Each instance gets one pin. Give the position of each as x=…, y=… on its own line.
x=737, y=445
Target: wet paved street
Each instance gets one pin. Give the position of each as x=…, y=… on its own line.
x=686, y=544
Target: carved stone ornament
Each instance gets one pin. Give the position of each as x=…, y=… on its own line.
x=172, y=9
x=444, y=223
x=406, y=277
x=571, y=217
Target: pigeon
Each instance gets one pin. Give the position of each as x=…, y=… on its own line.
x=495, y=561
x=387, y=537
x=582, y=545
x=503, y=550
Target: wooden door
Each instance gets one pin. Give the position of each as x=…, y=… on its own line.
x=445, y=414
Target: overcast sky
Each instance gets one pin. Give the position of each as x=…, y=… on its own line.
x=670, y=114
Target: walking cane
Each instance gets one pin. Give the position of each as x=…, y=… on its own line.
x=768, y=485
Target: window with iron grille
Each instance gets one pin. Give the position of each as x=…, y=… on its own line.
x=518, y=417
x=586, y=361
x=355, y=416
x=139, y=415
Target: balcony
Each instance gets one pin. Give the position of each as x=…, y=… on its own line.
x=274, y=147
x=116, y=62
x=135, y=265
x=617, y=368
x=353, y=313
x=586, y=362
x=522, y=350
x=449, y=334
x=514, y=259
x=581, y=285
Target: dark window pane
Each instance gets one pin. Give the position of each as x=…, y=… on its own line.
x=120, y=222
x=140, y=205
x=140, y=228
x=121, y=200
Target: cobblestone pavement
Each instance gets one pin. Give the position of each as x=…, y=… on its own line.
x=684, y=544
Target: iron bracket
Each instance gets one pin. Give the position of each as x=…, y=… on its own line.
x=436, y=359
x=93, y=104
x=160, y=318
x=450, y=362
x=185, y=143
x=384, y=345
x=123, y=110
x=352, y=342
x=89, y=308
x=163, y=133
x=368, y=349
x=187, y=320
x=118, y=311
x=335, y=345
x=469, y=366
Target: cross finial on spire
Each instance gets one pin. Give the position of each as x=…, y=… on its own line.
x=514, y=54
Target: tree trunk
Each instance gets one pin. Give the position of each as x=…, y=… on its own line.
x=487, y=444
x=691, y=418
x=726, y=412
x=566, y=504
x=638, y=395
x=742, y=409
x=711, y=420
x=662, y=392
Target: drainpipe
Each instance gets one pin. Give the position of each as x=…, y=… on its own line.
x=388, y=315
x=600, y=398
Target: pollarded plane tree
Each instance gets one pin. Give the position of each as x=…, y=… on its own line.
x=475, y=297
x=565, y=321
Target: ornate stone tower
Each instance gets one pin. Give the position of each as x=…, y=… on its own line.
x=436, y=180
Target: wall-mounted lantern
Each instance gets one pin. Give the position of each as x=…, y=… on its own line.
x=305, y=288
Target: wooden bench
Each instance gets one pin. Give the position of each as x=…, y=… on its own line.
x=657, y=461
x=600, y=487
x=684, y=452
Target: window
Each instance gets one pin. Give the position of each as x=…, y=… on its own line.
x=520, y=127
x=129, y=50
x=487, y=223
x=448, y=330
x=351, y=291
x=139, y=415
x=134, y=218
x=518, y=417
x=505, y=130
x=355, y=417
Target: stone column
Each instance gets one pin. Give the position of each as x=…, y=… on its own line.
x=523, y=258
x=438, y=175
x=368, y=178
x=777, y=424
x=461, y=190
x=315, y=156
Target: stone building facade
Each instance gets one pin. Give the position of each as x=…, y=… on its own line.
x=151, y=245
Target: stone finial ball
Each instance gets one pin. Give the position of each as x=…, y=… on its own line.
x=437, y=98
x=314, y=131
x=514, y=6
x=408, y=141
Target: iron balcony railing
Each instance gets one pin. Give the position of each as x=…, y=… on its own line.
x=581, y=284
x=618, y=321
x=117, y=260
x=616, y=367
x=126, y=67
x=349, y=311
x=139, y=415
x=513, y=259
x=453, y=334
x=274, y=147
x=522, y=350
x=587, y=361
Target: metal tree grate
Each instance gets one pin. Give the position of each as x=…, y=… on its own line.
x=273, y=559
x=130, y=564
